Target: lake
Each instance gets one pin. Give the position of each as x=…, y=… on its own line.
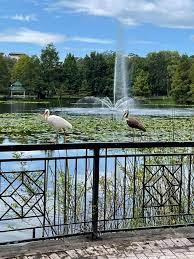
x=70, y=107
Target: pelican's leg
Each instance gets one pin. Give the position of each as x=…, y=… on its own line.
x=65, y=139
x=141, y=136
x=133, y=135
x=57, y=138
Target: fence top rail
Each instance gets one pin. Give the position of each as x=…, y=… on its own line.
x=94, y=145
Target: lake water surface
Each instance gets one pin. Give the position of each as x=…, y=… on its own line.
x=72, y=109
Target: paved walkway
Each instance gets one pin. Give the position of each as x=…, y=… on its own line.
x=169, y=246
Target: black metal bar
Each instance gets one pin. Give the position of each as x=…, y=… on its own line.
x=55, y=190
x=34, y=233
x=105, y=186
x=134, y=185
x=45, y=195
x=143, y=186
x=95, y=193
x=42, y=158
x=100, y=220
x=5, y=148
x=106, y=231
x=124, y=190
x=189, y=184
x=101, y=156
x=85, y=184
x=75, y=193
x=115, y=189
x=65, y=191
x=180, y=186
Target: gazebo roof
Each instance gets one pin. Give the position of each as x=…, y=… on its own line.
x=17, y=86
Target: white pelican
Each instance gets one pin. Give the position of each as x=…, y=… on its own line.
x=57, y=122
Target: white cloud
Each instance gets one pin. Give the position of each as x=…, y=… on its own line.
x=163, y=13
x=26, y=18
x=91, y=40
x=83, y=49
x=127, y=21
x=21, y=17
x=24, y=35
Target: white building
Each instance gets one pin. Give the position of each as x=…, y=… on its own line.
x=16, y=56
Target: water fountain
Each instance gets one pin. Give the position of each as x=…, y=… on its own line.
x=121, y=87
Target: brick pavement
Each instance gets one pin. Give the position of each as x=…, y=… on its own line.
x=169, y=247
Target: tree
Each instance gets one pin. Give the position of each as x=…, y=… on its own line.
x=141, y=86
x=160, y=66
x=109, y=77
x=85, y=89
x=138, y=65
x=20, y=69
x=4, y=75
x=34, y=82
x=28, y=71
x=157, y=64
x=98, y=73
x=51, y=70
x=173, y=61
x=191, y=76
x=71, y=79
x=181, y=81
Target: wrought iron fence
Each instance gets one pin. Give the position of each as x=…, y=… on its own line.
x=52, y=191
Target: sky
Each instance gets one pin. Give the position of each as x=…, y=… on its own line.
x=82, y=26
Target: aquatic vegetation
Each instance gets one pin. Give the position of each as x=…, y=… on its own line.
x=31, y=128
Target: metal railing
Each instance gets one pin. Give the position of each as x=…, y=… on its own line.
x=53, y=191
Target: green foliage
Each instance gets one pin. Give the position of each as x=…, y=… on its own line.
x=141, y=86
x=163, y=73
x=27, y=71
x=181, y=81
x=51, y=71
x=85, y=89
x=4, y=75
x=99, y=73
x=157, y=66
x=71, y=74
x=20, y=69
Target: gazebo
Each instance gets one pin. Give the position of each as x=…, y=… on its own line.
x=17, y=90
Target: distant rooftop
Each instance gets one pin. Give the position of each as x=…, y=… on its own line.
x=16, y=54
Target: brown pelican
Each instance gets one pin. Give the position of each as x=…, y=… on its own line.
x=57, y=122
x=133, y=122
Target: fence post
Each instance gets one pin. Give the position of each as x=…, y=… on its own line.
x=95, y=193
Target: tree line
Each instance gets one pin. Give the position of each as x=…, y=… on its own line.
x=164, y=73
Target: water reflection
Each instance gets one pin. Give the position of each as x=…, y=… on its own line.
x=30, y=107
